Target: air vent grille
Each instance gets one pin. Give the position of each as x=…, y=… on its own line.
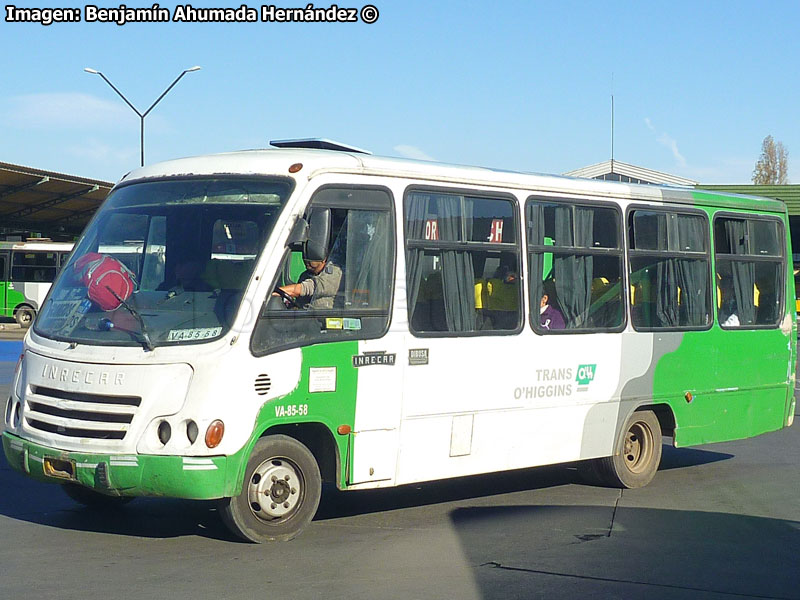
x=263, y=384
x=76, y=414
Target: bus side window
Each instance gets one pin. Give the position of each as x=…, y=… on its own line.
x=352, y=296
x=575, y=260
x=33, y=266
x=750, y=271
x=63, y=257
x=463, y=267
x=669, y=270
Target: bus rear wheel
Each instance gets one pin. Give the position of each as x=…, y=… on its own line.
x=280, y=495
x=24, y=316
x=637, y=458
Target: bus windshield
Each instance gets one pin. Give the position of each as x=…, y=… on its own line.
x=164, y=262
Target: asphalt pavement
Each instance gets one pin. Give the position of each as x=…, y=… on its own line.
x=10, y=331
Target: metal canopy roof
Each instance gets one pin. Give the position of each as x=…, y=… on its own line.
x=641, y=174
x=46, y=202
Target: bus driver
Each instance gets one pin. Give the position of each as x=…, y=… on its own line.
x=317, y=285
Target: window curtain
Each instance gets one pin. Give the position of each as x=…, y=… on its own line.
x=458, y=275
x=573, y=273
x=744, y=273
x=368, y=269
x=666, y=280
x=453, y=216
x=536, y=236
x=692, y=274
x=418, y=208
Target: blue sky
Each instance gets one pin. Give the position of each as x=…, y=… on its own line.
x=514, y=85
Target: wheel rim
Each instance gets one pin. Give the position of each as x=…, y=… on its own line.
x=638, y=448
x=276, y=489
x=25, y=317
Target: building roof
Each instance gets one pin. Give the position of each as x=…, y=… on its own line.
x=790, y=194
x=59, y=205
x=633, y=174
x=52, y=203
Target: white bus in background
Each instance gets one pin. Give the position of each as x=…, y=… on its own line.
x=27, y=269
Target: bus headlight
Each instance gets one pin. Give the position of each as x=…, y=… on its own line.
x=191, y=431
x=164, y=432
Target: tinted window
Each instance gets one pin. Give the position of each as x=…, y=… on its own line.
x=575, y=260
x=462, y=264
x=750, y=272
x=33, y=266
x=669, y=270
x=347, y=296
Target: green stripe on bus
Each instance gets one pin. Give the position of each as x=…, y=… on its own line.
x=328, y=368
x=734, y=392
x=13, y=300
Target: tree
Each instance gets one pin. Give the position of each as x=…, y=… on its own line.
x=772, y=165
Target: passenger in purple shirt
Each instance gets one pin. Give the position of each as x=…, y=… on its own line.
x=549, y=317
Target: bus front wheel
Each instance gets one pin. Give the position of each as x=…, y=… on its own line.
x=637, y=458
x=24, y=316
x=280, y=494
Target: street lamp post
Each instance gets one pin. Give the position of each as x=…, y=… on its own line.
x=142, y=115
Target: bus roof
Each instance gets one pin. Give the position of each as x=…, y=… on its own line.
x=315, y=162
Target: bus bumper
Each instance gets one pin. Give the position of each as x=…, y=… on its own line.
x=199, y=478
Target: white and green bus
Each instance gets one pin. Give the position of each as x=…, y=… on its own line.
x=27, y=269
x=479, y=321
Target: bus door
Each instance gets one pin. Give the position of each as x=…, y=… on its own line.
x=4, y=310
x=340, y=320
x=362, y=248
x=465, y=308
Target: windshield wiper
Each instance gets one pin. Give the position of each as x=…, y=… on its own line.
x=145, y=337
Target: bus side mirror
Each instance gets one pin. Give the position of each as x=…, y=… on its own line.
x=298, y=235
x=319, y=235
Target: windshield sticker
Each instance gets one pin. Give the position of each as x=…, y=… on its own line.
x=199, y=333
x=333, y=323
x=352, y=324
x=321, y=379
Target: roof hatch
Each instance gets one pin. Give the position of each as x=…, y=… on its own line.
x=317, y=144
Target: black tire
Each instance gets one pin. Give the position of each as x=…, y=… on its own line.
x=637, y=457
x=24, y=316
x=280, y=494
x=588, y=472
x=92, y=499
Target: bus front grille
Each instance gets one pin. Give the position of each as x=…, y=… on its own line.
x=80, y=415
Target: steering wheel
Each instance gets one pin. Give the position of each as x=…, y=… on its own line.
x=289, y=300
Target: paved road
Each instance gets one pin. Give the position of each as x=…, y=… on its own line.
x=719, y=522
x=9, y=330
